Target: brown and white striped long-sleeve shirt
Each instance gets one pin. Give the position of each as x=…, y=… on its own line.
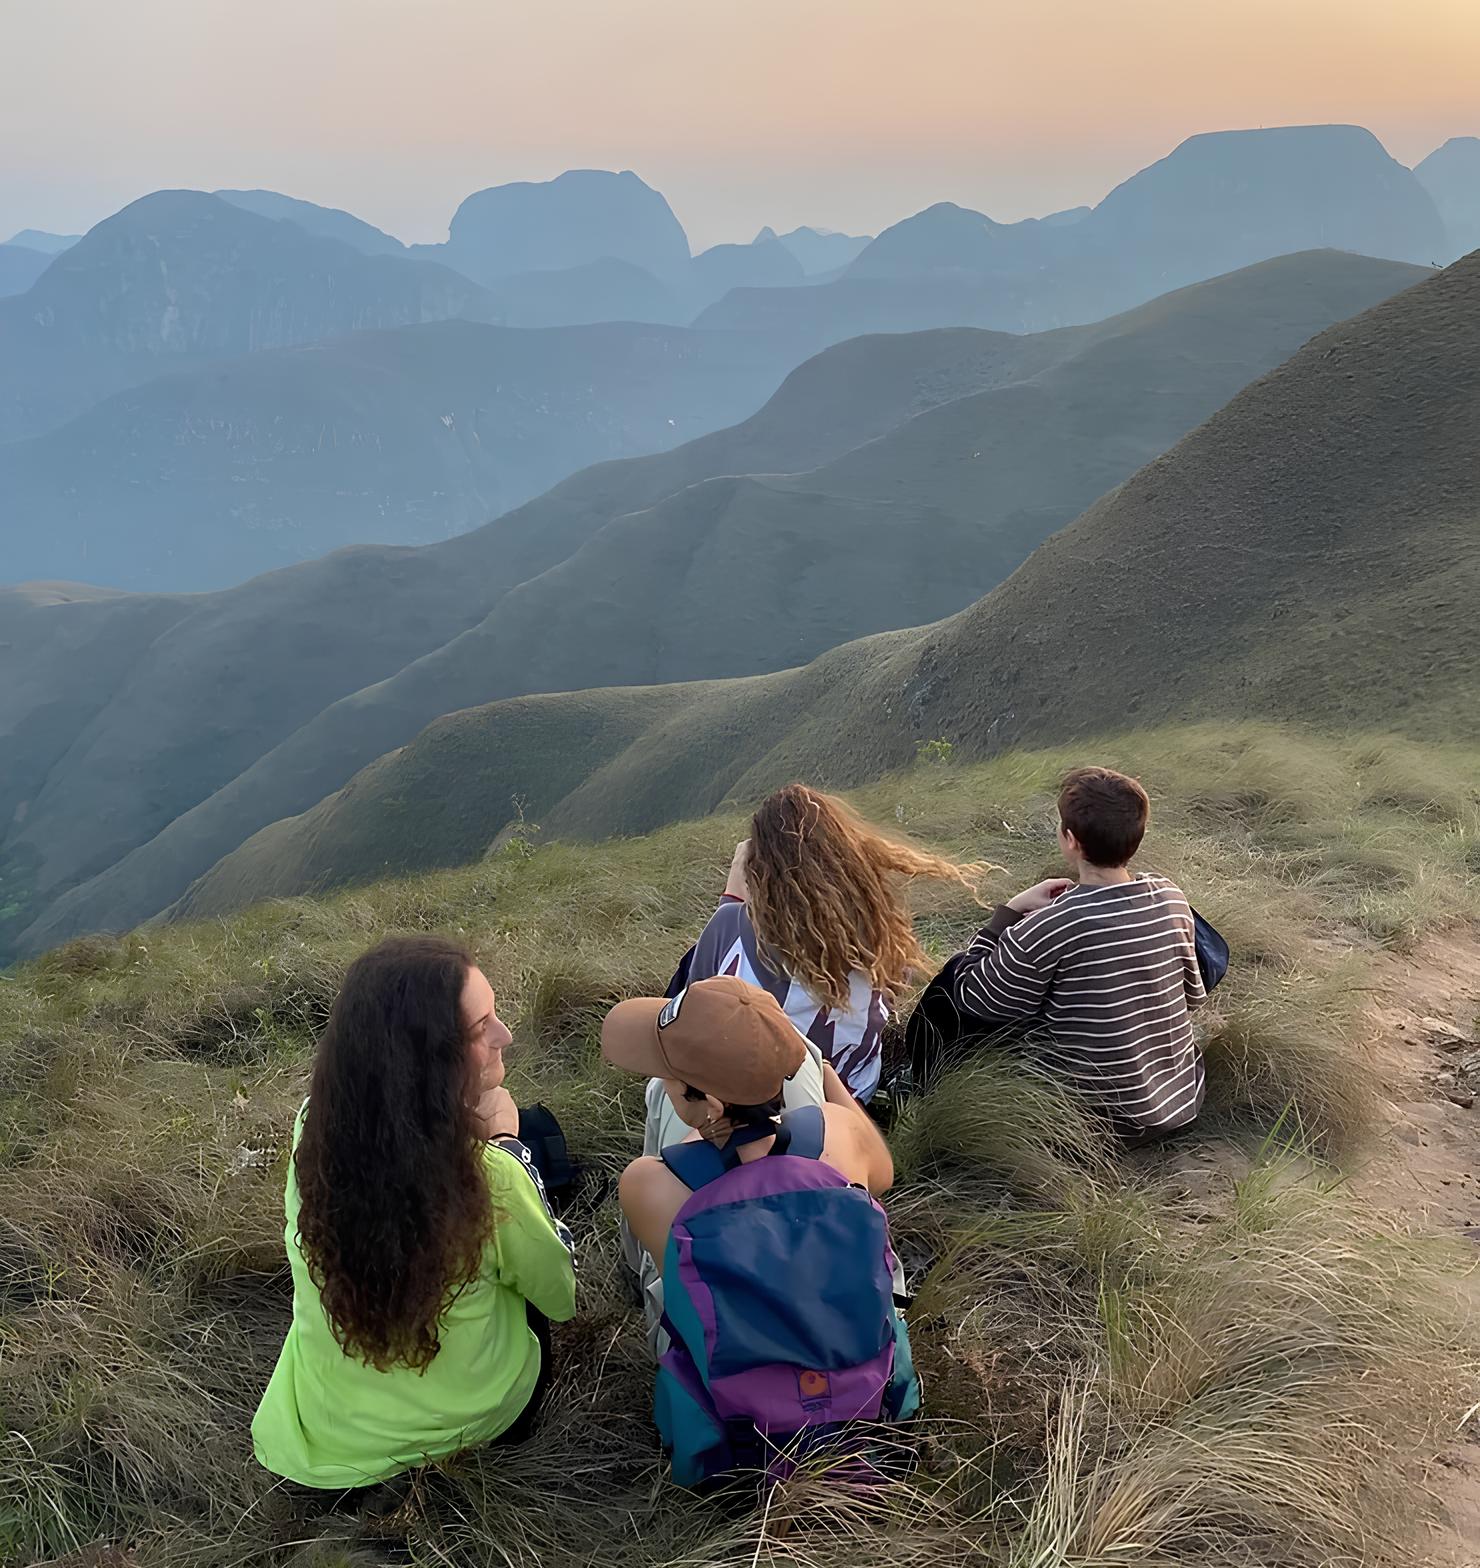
x=1111, y=973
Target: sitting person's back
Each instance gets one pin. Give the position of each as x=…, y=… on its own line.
x=425, y=1260
x=779, y=1277
x=1106, y=962
x=813, y=914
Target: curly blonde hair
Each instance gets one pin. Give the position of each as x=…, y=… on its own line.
x=823, y=894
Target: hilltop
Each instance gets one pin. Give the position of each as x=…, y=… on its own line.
x=43, y=240
x=1310, y=552
x=330, y=222
x=1215, y=203
x=890, y=481
x=820, y=250
x=582, y=216
x=1451, y=175
x=1229, y=198
x=178, y=278
x=1250, y=1349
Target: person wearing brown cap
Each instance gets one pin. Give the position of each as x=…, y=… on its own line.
x=780, y=1291
x=724, y=1050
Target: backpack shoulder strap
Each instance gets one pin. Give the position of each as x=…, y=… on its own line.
x=696, y=1163
x=808, y=1131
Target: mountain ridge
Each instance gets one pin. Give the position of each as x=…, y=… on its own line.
x=179, y=278
x=1349, y=464
x=599, y=534
x=206, y=477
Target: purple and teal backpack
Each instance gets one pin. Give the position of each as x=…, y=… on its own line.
x=778, y=1290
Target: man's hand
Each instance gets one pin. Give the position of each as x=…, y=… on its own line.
x=736, y=885
x=496, y=1115
x=1040, y=895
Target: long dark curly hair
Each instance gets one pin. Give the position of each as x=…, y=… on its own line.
x=393, y=1202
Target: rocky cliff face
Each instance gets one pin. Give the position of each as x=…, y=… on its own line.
x=1236, y=197
x=181, y=272
x=181, y=277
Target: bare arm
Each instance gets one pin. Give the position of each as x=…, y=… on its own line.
x=876, y=1164
x=736, y=885
x=651, y=1196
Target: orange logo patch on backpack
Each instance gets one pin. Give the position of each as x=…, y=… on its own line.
x=814, y=1387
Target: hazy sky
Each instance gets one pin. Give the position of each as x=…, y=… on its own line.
x=844, y=113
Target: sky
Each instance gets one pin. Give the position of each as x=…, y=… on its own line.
x=847, y=114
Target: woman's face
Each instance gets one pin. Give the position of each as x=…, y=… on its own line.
x=484, y=1030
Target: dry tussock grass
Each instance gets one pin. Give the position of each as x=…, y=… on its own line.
x=1109, y=1384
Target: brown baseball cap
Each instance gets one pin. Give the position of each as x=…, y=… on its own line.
x=721, y=1036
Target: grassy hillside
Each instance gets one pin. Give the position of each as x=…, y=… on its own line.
x=217, y=681
x=1310, y=552
x=934, y=464
x=1123, y=1365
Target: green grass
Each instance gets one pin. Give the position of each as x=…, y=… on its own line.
x=1113, y=1380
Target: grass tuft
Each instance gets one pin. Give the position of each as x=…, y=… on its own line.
x=1114, y=1379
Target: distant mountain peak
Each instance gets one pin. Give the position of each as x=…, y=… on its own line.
x=1451, y=175
x=1233, y=197
x=40, y=239
x=581, y=216
x=329, y=222
x=1274, y=135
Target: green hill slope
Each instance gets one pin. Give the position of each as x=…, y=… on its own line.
x=214, y=681
x=1211, y=1354
x=1310, y=552
x=200, y=480
x=726, y=577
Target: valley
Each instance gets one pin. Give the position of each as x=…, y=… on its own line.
x=955, y=399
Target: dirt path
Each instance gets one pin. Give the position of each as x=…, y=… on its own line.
x=1426, y=1041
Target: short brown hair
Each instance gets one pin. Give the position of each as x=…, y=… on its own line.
x=1106, y=811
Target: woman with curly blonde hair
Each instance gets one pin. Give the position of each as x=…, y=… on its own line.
x=814, y=913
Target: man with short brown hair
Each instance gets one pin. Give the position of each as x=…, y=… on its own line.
x=1104, y=960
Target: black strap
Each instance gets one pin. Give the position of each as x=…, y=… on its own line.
x=697, y=1162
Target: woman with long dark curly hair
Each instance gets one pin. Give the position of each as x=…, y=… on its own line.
x=424, y=1255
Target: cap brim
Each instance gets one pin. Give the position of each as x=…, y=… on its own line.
x=629, y=1036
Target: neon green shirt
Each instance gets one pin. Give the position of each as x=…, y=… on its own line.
x=328, y=1420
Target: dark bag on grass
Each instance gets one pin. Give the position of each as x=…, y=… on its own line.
x=934, y=1029
x=541, y=1134
x=1212, y=952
